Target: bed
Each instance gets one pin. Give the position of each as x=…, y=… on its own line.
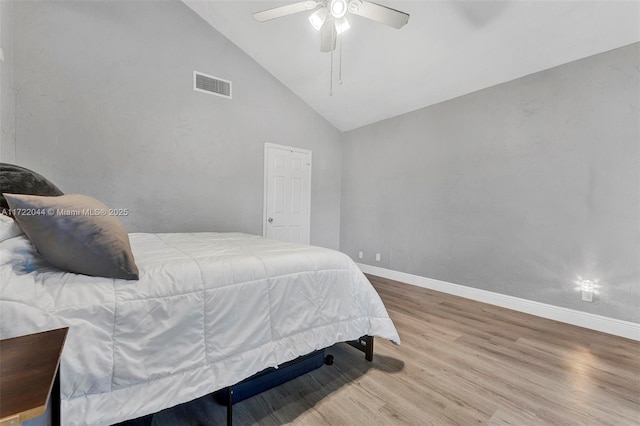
x=207, y=311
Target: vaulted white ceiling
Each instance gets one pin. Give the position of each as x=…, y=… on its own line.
x=448, y=48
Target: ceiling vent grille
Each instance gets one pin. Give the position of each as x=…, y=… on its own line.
x=212, y=85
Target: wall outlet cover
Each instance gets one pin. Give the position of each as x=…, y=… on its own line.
x=587, y=296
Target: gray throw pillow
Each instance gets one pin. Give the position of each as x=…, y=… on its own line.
x=76, y=233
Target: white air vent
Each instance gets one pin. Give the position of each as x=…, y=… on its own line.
x=212, y=85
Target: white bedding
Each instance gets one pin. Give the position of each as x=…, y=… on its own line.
x=209, y=310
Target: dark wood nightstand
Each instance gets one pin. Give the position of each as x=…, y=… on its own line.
x=29, y=375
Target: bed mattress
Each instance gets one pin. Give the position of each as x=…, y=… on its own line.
x=209, y=310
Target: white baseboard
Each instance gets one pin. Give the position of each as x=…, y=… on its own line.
x=630, y=330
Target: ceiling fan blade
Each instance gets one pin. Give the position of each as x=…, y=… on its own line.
x=375, y=12
x=290, y=9
x=328, y=35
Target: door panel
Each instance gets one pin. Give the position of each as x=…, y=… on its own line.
x=287, y=199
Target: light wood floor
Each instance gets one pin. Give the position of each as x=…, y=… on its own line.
x=460, y=363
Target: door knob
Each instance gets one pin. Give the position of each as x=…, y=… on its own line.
x=270, y=220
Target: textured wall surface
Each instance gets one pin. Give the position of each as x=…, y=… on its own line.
x=519, y=189
x=105, y=107
x=7, y=97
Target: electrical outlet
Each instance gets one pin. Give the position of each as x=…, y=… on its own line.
x=588, y=287
x=378, y=257
x=360, y=254
x=587, y=296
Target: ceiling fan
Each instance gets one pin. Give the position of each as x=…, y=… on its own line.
x=330, y=18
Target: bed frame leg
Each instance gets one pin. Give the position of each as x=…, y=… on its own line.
x=230, y=406
x=55, y=400
x=364, y=344
x=368, y=352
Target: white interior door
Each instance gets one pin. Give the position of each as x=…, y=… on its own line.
x=287, y=193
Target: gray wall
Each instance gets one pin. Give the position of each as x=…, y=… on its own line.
x=105, y=107
x=517, y=189
x=7, y=98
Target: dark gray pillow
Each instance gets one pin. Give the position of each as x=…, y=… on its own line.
x=76, y=233
x=18, y=180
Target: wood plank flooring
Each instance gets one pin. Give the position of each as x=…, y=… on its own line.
x=460, y=363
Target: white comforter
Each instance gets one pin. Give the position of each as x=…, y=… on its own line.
x=209, y=310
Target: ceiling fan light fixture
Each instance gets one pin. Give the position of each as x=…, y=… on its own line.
x=338, y=8
x=342, y=25
x=318, y=17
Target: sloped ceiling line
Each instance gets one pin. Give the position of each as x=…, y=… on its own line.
x=448, y=49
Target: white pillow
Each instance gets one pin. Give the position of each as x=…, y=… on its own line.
x=9, y=228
